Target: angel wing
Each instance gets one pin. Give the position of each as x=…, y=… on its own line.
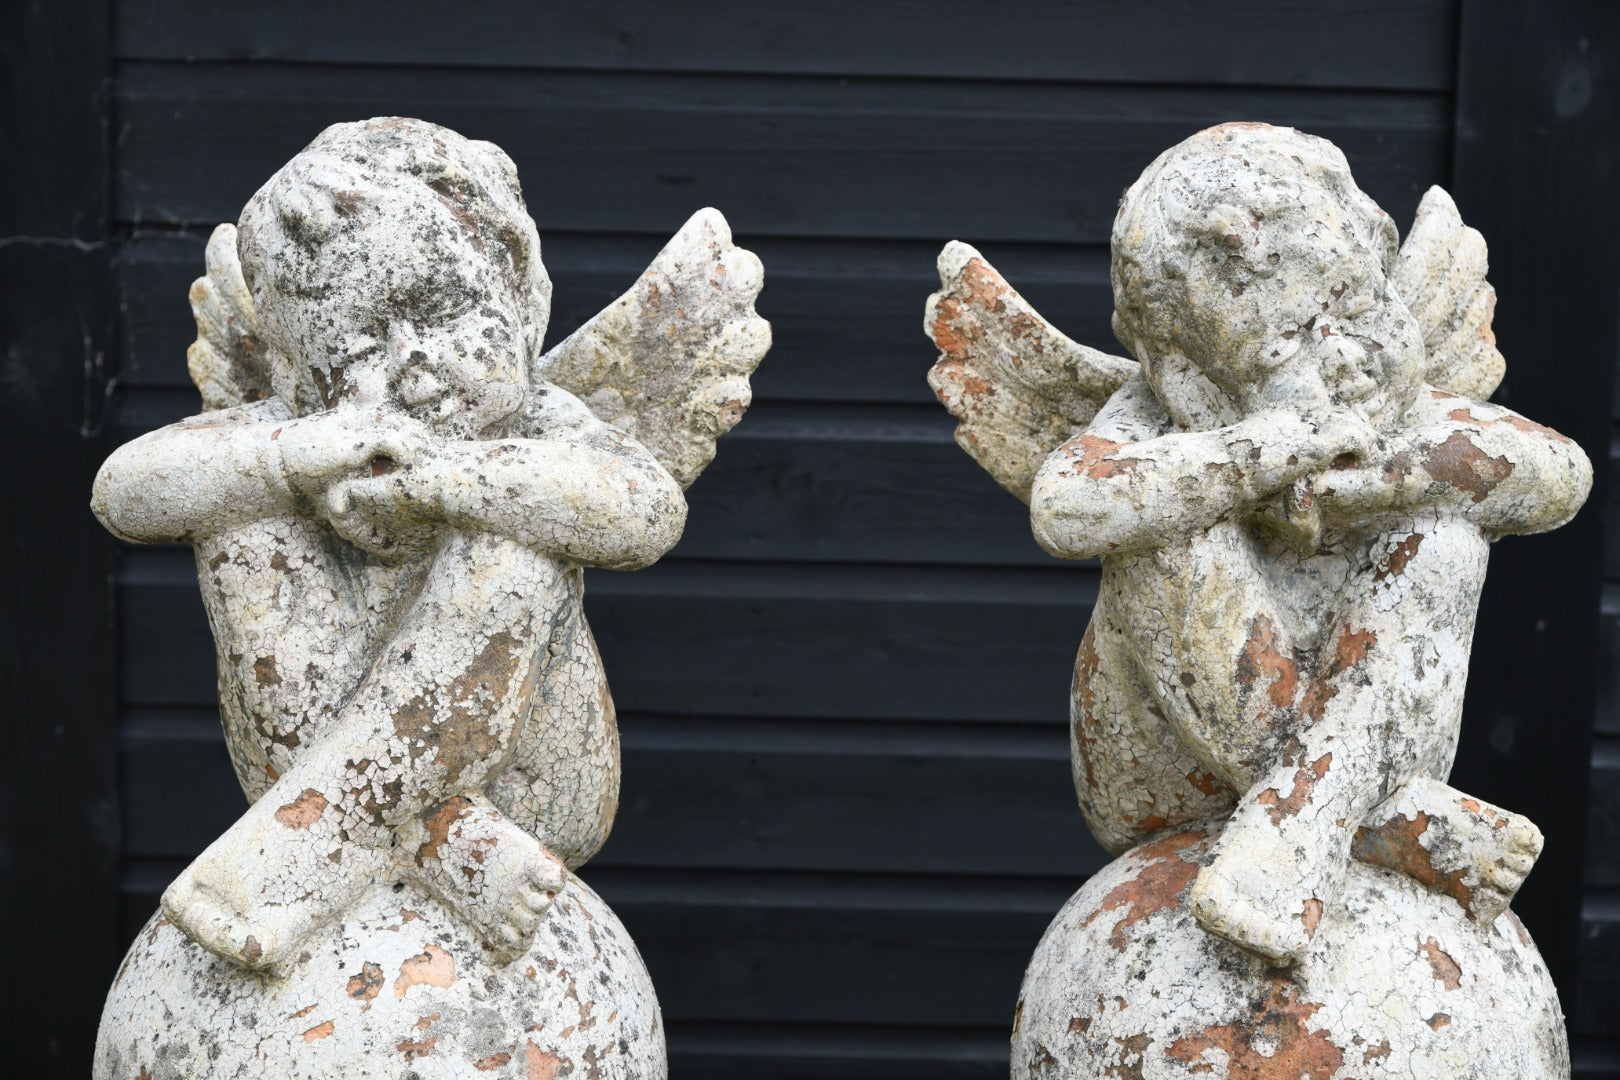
x=1018, y=387
x=1440, y=273
x=226, y=361
x=668, y=362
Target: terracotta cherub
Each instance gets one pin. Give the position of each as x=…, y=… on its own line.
x=1292, y=496
x=391, y=493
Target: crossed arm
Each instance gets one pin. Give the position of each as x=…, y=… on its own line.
x=1130, y=483
x=568, y=486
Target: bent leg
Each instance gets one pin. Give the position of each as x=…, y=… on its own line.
x=1453, y=844
x=1386, y=694
x=563, y=781
x=436, y=716
x=495, y=875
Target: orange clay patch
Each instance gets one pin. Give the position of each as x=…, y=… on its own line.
x=1274, y=1043
x=1460, y=463
x=1444, y=968
x=1349, y=651
x=414, y=1050
x=1094, y=457
x=303, y=811
x=1157, y=887
x=1262, y=661
x=1397, y=845
x=1278, y=807
x=319, y=1031
x=431, y=967
x=539, y=1065
x=364, y=986
x=438, y=824
x=1399, y=557
x=1514, y=421
x=1208, y=783
x=1311, y=916
x=491, y=1063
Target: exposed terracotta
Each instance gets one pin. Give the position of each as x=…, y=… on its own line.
x=1292, y=489
x=392, y=491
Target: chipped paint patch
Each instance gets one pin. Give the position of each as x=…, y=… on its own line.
x=431, y=967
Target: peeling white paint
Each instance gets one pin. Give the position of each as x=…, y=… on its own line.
x=1293, y=496
x=391, y=495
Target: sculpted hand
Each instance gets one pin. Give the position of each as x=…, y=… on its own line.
x=393, y=514
x=317, y=450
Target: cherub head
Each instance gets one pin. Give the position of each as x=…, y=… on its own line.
x=392, y=263
x=1250, y=272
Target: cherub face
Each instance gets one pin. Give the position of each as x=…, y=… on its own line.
x=392, y=314
x=1352, y=342
x=1246, y=257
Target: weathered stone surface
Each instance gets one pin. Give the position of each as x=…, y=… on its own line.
x=1126, y=983
x=1293, y=491
x=398, y=987
x=391, y=495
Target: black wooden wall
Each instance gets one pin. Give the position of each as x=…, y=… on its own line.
x=847, y=813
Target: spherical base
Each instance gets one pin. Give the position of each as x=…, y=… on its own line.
x=1398, y=983
x=397, y=989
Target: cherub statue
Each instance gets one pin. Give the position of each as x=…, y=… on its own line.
x=1292, y=491
x=391, y=494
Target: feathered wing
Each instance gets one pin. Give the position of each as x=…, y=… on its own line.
x=668, y=362
x=1018, y=387
x=226, y=361
x=1440, y=273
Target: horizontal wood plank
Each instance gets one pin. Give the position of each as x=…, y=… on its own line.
x=1603, y=817
x=716, y=640
x=780, y=156
x=1386, y=43
x=846, y=316
x=816, y=1051
x=726, y=795
x=1597, y=1005
x=1606, y=704
x=926, y=951
x=1611, y=507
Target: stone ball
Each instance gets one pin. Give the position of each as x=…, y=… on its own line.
x=396, y=989
x=1398, y=983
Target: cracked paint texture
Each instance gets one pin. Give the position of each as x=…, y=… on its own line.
x=391, y=494
x=1292, y=490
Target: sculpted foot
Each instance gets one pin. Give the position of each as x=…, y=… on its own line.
x=1452, y=843
x=1264, y=892
x=493, y=873
x=272, y=879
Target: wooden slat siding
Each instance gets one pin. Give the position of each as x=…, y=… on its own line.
x=1595, y=1058
x=846, y=315
x=775, y=795
x=1611, y=507
x=815, y=1052
x=909, y=950
x=1603, y=817
x=1606, y=714
x=1534, y=162
x=58, y=783
x=1597, y=1012
x=722, y=640
x=782, y=156
x=1377, y=45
